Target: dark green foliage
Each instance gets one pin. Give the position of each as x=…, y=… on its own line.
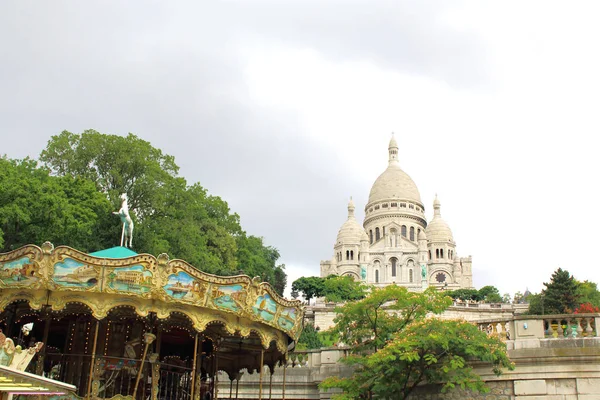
x=334, y=288
x=342, y=288
x=309, y=338
x=588, y=292
x=74, y=205
x=310, y=286
x=36, y=207
x=490, y=294
x=560, y=296
x=465, y=294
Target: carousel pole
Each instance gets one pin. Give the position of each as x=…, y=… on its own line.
x=237, y=385
x=271, y=370
x=194, y=367
x=41, y=357
x=148, y=339
x=262, y=359
x=284, y=370
x=216, y=376
x=93, y=361
x=230, y=388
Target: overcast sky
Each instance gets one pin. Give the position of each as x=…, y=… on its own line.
x=285, y=109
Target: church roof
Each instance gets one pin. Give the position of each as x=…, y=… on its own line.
x=394, y=183
x=114, y=252
x=438, y=230
x=351, y=231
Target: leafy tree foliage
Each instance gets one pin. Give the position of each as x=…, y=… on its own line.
x=560, y=296
x=35, y=207
x=309, y=338
x=310, y=286
x=334, y=288
x=70, y=200
x=395, y=347
x=342, y=288
x=490, y=294
x=464, y=294
x=588, y=292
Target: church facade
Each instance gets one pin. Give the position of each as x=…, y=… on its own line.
x=396, y=244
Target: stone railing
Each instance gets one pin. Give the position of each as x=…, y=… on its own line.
x=527, y=327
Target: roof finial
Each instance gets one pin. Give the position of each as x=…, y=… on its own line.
x=350, y=208
x=393, y=150
x=436, y=206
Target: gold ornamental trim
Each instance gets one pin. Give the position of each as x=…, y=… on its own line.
x=58, y=276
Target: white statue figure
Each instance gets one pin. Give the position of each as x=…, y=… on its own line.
x=127, y=232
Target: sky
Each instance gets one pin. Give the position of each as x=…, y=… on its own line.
x=285, y=110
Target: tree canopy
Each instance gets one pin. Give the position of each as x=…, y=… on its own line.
x=560, y=296
x=69, y=199
x=395, y=346
x=334, y=288
x=488, y=294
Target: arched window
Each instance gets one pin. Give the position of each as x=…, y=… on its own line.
x=371, y=236
x=403, y=230
x=394, y=261
x=347, y=255
x=441, y=253
x=376, y=276
x=418, y=232
x=430, y=254
x=352, y=254
x=377, y=235
x=412, y=233
x=410, y=275
x=437, y=253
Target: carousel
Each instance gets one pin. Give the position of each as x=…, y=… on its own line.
x=121, y=325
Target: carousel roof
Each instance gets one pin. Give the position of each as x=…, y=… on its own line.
x=114, y=252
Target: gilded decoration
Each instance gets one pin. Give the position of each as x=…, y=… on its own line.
x=62, y=275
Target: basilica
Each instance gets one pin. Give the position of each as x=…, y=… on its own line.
x=395, y=244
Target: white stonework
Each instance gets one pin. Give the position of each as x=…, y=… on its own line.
x=395, y=244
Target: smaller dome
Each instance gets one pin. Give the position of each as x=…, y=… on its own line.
x=438, y=230
x=351, y=231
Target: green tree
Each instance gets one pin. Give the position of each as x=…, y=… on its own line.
x=395, y=347
x=343, y=288
x=36, y=207
x=561, y=294
x=465, y=294
x=588, y=293
x=310, y=286
x=309, y=338
x=170, y=216
x=490, y=294
x=116, y=164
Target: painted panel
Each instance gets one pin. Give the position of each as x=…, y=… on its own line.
x=265, y=307
x=134, y=279
x=287, y=318
x=183, y=286
x=18, y=272
x=229, y=297
x=75, y=274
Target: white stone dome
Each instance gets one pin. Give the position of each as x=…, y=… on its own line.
x=438, y=230
x=394, y=183
x=351, y=231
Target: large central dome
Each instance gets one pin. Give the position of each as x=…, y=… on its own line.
x=394, y=183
